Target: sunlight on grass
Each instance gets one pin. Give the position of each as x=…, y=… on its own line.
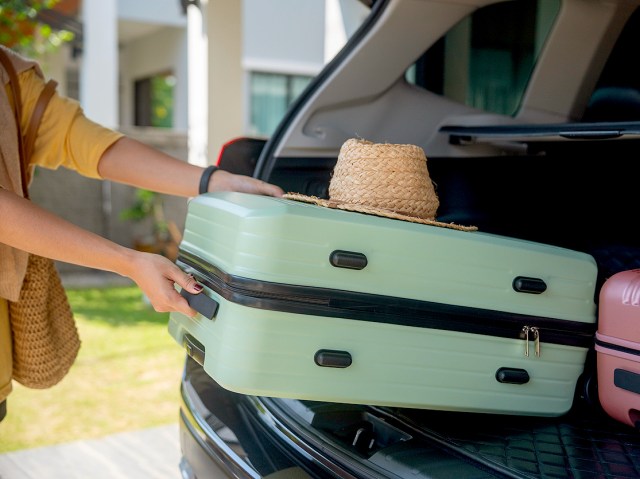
x=126, y=377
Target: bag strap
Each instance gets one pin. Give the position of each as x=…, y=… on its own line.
x=17, y=111
x=26, y=142
x=36, y=116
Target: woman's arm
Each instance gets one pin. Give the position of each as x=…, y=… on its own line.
x=133, y=163
x=31, y=228
x=66, y=137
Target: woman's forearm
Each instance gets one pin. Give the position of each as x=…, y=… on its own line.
x=133, y=163
x=31, y=228
x=28, y=227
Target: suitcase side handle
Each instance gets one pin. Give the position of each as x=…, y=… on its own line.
x=348, y=259
x=202, y=303
x=523, y=284
x=330, y=358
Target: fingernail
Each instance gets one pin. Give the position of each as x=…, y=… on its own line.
x=197, y=287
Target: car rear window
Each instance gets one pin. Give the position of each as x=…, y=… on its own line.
x=486, y=60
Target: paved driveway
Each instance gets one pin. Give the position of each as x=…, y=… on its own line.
x=148, y=454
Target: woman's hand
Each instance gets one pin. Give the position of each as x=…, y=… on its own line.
x=155, y=275
x=225, y=181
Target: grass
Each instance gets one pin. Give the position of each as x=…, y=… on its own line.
x=126, y=376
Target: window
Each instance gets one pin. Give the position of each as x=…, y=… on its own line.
x=271, y=95
x=154, y=101
x=502, y=43
x=617, y=94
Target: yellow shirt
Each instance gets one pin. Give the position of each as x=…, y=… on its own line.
x=65, y=138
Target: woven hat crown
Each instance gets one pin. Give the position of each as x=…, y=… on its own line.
x=388, y=176
x=382, y=179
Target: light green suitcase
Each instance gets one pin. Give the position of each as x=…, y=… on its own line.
x=314, y=303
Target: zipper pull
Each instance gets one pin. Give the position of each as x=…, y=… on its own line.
x=536, y=340
x=525, y=335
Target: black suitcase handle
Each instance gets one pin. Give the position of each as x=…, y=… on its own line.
x=202, y=303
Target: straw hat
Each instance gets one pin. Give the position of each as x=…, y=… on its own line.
x=382, y=179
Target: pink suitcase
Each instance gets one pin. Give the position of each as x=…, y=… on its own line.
x=618, y=347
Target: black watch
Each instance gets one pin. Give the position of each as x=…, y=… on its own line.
x=204, y=179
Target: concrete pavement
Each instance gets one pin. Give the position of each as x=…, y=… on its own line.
x=147, y=454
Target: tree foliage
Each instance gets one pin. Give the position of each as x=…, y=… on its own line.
x=21, y=30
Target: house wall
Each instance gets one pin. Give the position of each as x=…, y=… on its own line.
x=161, y=12
x=141, y=59
x=99, y=71
x=223, y=23
x=286, y=36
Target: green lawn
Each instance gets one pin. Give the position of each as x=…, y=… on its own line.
x=126, y=377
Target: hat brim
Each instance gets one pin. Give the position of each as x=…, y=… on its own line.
x=374, y=211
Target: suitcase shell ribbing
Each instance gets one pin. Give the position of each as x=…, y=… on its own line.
x=618, y=347
x=322, y=304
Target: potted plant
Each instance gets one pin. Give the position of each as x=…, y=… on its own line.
x=164, y=236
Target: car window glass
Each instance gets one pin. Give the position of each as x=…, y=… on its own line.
x=486, y=60
x=617, y=94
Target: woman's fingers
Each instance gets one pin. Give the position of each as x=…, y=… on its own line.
x=157, y=276
x=226, y=181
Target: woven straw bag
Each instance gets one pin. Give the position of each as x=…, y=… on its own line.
x=45, y=337
x=44, y=334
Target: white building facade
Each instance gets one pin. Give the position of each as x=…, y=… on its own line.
x=235, y=65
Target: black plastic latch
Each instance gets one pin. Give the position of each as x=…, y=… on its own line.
x=522, y=284
x=348, y=259
x=329, y=358
x=512, y=376
x=627, y=380
x=202, y=303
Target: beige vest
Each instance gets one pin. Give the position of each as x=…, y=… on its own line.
x=13, y=262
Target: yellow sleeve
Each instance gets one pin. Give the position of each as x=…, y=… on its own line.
x=66, y=137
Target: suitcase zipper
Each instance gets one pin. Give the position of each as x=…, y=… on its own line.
x=317, y=301
x=536, y=338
